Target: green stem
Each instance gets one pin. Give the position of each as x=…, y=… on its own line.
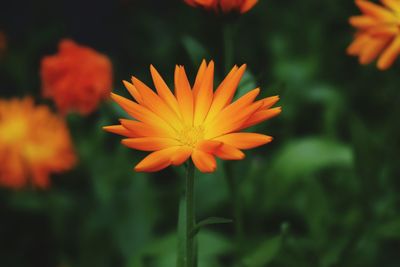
x=187, y=253
x=190, y=216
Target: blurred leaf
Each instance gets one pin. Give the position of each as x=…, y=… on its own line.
x=305, y=156
x=211, y=190
x=162, y=251
x=265, y=253
x=211, y=245
x=390, y=229
x=332, y=255
x=332, y=102
x=210, y=221
x=196, y=51
x=325, y=94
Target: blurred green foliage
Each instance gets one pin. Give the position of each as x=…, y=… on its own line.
x=324, y=193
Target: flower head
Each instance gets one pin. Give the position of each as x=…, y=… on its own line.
x=33, y=144
x=195, y=122
x=76, y=78
x=225, y=6
x=378, y=33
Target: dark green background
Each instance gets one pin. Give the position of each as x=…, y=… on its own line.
x=324, y=193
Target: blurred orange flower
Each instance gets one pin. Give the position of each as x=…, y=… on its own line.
x=76, y=78
x=194, y=122
x=33, y=144
x=225, y=6
x=378, y=33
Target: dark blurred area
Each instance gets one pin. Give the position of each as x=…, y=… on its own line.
x=324, y=193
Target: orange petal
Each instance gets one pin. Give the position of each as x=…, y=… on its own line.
x=40, y=177
x=143, y=114
x=181, y=155
x=199, y=78
x=140, y=129
x=118, y=129
x=227, y=152
x=133, y=91
x=203, y=161
x=225, y=92
x=13, y=166
x=184, y=95
x=163, y=91
x=268, y=102
x=229, y=77
x=392, y=4
x=204, y=96
x=390, y=54
x=261, y=116
x=229, y=122
x=239, y=104
x=235, y=109
x=245, y=140
x=205, y=3
x=190, y=2
x=208, y=146
x=247, y=5
x=149, y=143
x=383, y=31
x=156, y=161
x=362, y=22
x=359, y=42
x=374, y=10
x=228, y=5
x=157, y=105
x=372, y=49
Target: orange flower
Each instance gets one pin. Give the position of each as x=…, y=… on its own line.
x=225, y=6
x=378, y=33
x=196, y=122
x=33, y=144
x=76, y=78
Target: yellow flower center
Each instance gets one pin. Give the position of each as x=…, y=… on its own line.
x=13, y=130
x=191, y=135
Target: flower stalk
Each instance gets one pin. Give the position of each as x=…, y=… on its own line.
x=187, y=256
x=190, y=215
